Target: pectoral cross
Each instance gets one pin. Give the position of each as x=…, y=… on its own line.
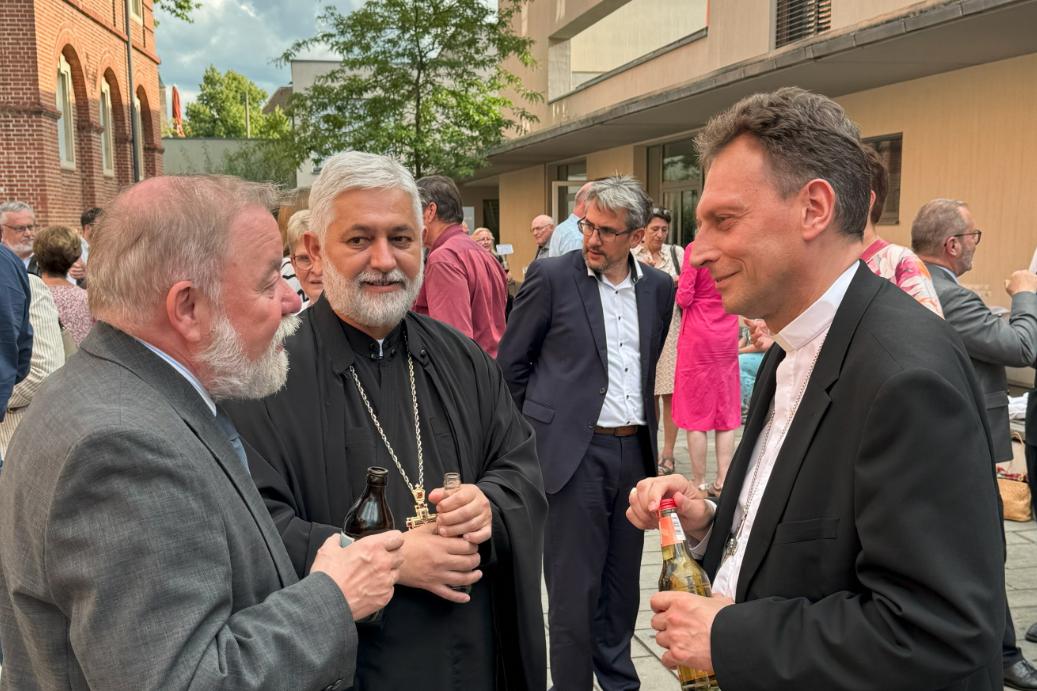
x=422, y=515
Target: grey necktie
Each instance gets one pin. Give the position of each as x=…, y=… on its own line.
x=232, y=435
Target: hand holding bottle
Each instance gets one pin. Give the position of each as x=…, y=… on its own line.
x=365, y=571
x=684, y=623
x=464, y=513
x=695, y=513
x=435, y=563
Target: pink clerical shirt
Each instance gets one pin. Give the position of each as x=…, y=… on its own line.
x=465, y=287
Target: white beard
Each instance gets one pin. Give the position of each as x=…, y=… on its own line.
x=232, y=375
x=347, y=297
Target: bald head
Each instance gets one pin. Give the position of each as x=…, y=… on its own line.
x=542, y=227
x=580, y=205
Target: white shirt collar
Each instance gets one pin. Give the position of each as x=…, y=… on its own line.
x=184, y=372
x=816, y=319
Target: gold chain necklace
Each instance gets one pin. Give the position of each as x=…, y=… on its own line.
x=422, y=515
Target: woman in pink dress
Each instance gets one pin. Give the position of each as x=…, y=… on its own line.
x=706, y=394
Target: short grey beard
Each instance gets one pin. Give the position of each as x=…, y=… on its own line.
x=233, y=376
x=346, y=296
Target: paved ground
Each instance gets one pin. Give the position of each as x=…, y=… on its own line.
x=1020, y=576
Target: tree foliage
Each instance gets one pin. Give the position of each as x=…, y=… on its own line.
x=262, y=160
x=219, y=110
x=420, y=80
x=181, y=9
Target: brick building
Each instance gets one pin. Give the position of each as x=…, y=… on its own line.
x=65, y=133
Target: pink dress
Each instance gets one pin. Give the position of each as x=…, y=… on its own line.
x=706, y=394
x=73, y=310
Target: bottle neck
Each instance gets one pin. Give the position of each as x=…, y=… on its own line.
x=671, y=534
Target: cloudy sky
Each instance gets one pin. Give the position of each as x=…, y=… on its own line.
x=243, y=35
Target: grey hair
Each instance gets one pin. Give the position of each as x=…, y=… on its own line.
x=622, y=193
x=140, y=249
x=805, y=136
x=936, y=221
x=298, y=224
x=351, y=170
x=13, y=208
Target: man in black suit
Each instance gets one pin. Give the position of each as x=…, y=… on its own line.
x=857, y=543
x=579, y=355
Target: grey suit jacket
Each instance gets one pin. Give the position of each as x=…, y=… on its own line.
x=992, y=344
x=135, y=551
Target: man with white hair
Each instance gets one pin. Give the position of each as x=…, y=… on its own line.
x=373, y=384
x=17, y=225
x=135, y=552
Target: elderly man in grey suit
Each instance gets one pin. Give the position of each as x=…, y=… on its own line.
x=135, y=550
x=945, y=236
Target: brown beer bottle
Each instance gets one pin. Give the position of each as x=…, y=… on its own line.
x=682, y=573
x=368, y=516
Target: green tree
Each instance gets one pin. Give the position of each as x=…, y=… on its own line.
x=219, y=110
x=262, y=160
x=181, y=9
x=420, y=80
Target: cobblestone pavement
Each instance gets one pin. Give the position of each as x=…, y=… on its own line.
x=1020, y=577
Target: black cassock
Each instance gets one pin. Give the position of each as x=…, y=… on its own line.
x=309, y=449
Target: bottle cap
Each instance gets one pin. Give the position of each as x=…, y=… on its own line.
x=667, y=503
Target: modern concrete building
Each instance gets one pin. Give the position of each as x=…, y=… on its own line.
x=947, y=89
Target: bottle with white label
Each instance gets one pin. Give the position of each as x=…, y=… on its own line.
x=682, y=573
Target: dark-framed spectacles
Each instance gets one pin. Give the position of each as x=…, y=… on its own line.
x=588, y=228
x=977, y=232
x=28, y=228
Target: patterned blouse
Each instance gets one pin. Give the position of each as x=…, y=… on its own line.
x=905, y=270
x=72, y=310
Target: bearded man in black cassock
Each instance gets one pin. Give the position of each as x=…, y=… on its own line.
x=365, y=375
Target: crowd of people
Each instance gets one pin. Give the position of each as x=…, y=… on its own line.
x=194, y=397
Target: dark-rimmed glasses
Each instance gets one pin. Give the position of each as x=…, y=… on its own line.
x=977, y=232
x=588, y=228
x=28, y=228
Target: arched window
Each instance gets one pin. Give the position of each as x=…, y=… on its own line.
x=107, y=130
x=66, y=117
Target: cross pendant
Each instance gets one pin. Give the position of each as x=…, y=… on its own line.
x=731, y=546
x=422, y=515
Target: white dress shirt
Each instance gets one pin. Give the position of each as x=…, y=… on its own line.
x=801, y=340
x=623, y=404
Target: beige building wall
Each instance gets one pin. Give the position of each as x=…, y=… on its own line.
x=523, y=195
x=968, y=135
x=617, y=161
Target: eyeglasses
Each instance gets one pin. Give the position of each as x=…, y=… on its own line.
x=661, y=213
x=541, y=227
x=588, y=228
x=303, y=261
x=977, y=232
x=20, y=229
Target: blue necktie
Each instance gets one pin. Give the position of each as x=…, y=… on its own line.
x=233, y=437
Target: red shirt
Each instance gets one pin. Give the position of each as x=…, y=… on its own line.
x=465, y=287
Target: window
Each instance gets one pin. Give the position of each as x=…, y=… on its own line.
x=796, y=19
x=675, y=183
x=137, y=10
x=66, y=119
x=138, y=127
x=890, y=148
x=107, y=133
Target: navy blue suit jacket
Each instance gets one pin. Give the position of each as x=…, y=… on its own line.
x=554, y=357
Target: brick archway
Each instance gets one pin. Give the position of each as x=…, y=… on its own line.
x=121, y=126
x=86, y=129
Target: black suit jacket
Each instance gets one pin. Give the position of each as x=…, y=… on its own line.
x=875, y=561
x=555, y=361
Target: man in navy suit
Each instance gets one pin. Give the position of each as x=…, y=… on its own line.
x=579, y=355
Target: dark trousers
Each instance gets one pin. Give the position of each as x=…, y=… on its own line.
x=592, y=565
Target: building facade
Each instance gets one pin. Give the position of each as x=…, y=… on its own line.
x=945, y=89
x=65, y=116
